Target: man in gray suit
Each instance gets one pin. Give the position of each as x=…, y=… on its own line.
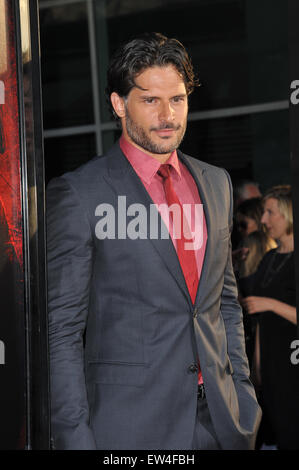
x=146, y=335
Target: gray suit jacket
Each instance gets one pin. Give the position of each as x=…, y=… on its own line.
x=123, y=331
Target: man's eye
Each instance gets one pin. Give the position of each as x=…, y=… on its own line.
x=149, y=100
x=178, y=99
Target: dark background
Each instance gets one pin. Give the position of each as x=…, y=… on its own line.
x=239, y=49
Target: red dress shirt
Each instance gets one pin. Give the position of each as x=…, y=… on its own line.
x=184, y=185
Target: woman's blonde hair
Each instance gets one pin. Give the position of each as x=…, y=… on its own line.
x=283, y=195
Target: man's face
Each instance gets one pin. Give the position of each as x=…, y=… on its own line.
x=154, y=115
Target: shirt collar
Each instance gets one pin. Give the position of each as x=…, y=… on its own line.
x=146, y=166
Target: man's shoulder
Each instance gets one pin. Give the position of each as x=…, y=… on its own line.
x=96, y=166
x=203, y=166
x=90, y=172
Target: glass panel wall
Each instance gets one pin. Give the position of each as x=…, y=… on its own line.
x=67, y=91
x=68, y=152
x=239, y=51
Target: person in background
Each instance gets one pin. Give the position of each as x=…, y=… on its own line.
x=273, y=300
x=256, y=244
x=248, y=216
x=244, y=190
x=247, y=219
x=253, y=245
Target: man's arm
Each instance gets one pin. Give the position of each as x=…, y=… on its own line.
x=69, y=272
x=233, y=319
x=230, y=307
x=231, y=311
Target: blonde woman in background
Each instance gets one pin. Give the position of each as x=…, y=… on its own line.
x=273, y=302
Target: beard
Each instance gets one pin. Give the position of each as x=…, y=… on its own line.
x=143, y=140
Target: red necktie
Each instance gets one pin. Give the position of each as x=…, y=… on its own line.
x=181, y=227
x=186, y=257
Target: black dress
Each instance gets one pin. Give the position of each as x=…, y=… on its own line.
x=275, y=278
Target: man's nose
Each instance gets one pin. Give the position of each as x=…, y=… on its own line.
x=166, y=112
x=263, y=219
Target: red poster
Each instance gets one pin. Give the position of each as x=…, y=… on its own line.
x=12, y=345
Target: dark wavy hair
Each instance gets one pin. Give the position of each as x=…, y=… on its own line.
x=252, y=208
x=142, y=52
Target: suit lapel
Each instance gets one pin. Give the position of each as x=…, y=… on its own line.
x=125, y=182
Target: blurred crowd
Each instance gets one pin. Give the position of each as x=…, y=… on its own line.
x=263, y=258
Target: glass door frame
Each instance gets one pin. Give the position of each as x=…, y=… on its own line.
x=33, y=206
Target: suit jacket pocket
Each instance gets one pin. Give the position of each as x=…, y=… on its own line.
x=117, y=373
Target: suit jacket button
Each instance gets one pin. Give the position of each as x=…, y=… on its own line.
x=195, y=312
x=193, y=368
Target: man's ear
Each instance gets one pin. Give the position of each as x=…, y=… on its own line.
x=118, y=104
